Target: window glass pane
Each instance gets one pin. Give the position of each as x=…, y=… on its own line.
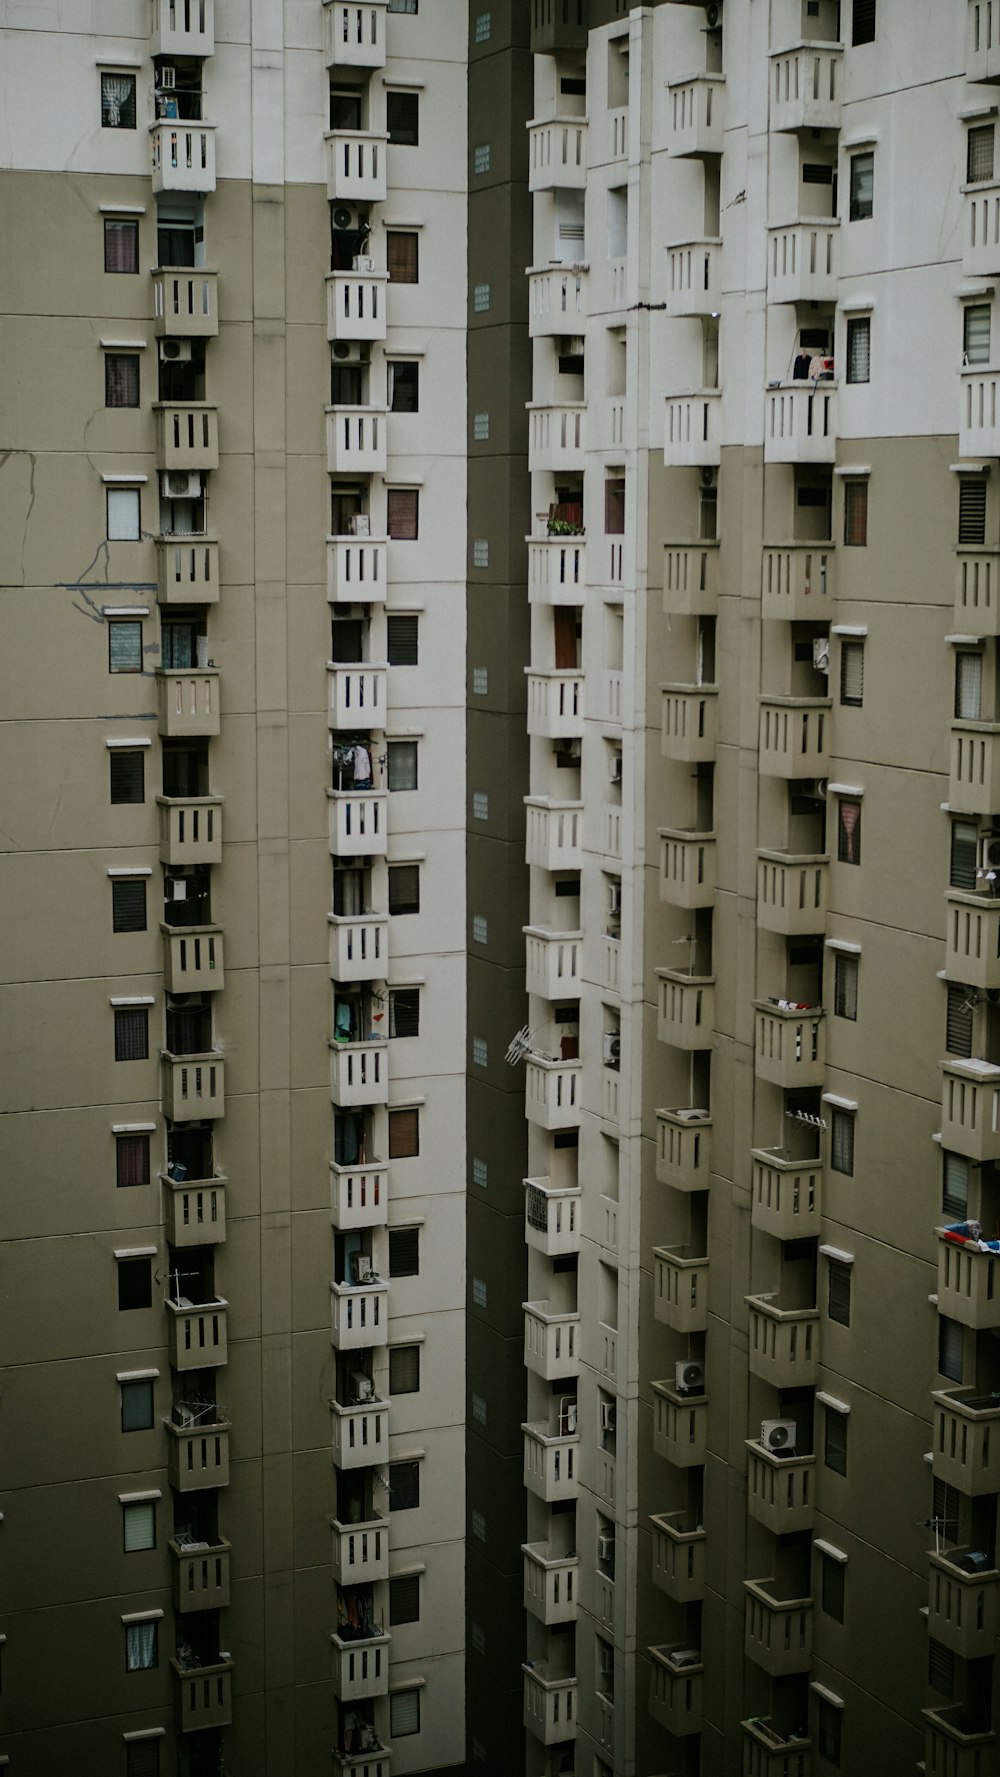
x=404, y=1012
x=404, y=1133
x=955, y=1185
x=127, y=776
x=842, y=1141
x=128, y=904
x=118, y=101
x=856, y=513
x=971, y=511
x=404, y=1369
x=964, y=854
x=403, y=385
x=833, y=1577
x=132, y=1156
x=402, y=512
x=863, y=22
x=848, y=831
x=135, y=1284
x=121, y=246
x=859, y=350
x=404, y=1252
x=142, y=1758
x=139, y=1525
x=402, y=764
x=976, y=334
x=125, y=647
x=845, y=986
x=121, y=379
x=835, y=1443
x=968, y=687
x=852, y=673
x=402, y=639
x=409, y=6
x=404, y=1599
x=402, y=117
x=404, y=1486
x=839, y=1297
x=123, y=514
x=404, y=1713
x=131, y=1033
x=979, y=163
x=951, y=1346
x=614, y=508
x=958, y=1022
x=862, y=186
x=140, y=1647
x=137, y=1405
x=401, y=254
x=404, y=888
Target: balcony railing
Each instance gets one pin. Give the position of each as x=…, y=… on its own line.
x=193, y=959
x=958, y=1741
x=553, y=833
x=695, y=115
x=555, y=704
x=354, y=33
x=806, y=87
x=203, y=1695
x=972, y=941
x=360, y=1552
x=964, y=1602
x=685, y=1009
x=549, y=1704
x=185, y=304
x=355, y=305
x=968, y=1285
x=551, y=1341
x=789, y=1045
x=792, y=892
x=183, y=155
x=557, y=437
x=183, y=28
x=552, y=1217
x=557, y=301
x=194, y=1211
x=551, y=1463
x=785, y=1195
x=187, y=436
x=977, y=591
x=801, y=423
x=196, y=1334
x=794, y=736
x=359, y=946
x=190, y=829
x=358, y=823
x=781, y=1490
x=360, y=1433
x=970, y=1109
x=784, y=1343
x=557, y=25
x=687, y=867
x=974, y=784
x=355, y=166
x=690, y=579
x=557, y=154
x=359, y=1315
x=355, y=440
x=778, y=1631
x=799, y=582
x=689, y=719
x=983, y=41
x=675, y=1688
x=770, y=1751
x=372, y=1761
x=966, y=1449
x=355, y=570
x=684, y=1149
x=550, y=1583
x=692, y=430
x=981, y=247
x=557, y=570
x=803, y=261
x=187, y=570
x=360, y=1668
x=680, y=1426
x=359, y=1072
x=359, y=1195
x=979, y=428
x=552, y=1092
x=355, y=696
x=194, y=1086
x=198, y=1451
x=188, y=703
x=678, y=1557
x=694, y=277
x=554, y=963
x=681, y=1288
x=200, y=1575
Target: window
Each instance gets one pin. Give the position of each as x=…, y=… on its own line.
x=480, y=298
x=402, y=385
x=856, y=513
x=477, y=1635
x=862, y=185
x=479, y=1292
x=401, y=769
x=481, y=158
x=941, y=1667
x=976, y=335
x=481, y=552
x=480, y=805
x=402, y=118
x=968, y=686
x=123, y=515
x=128, y=904
x=142, y=1757
x=404, y=1252
x=137, y=1404
x=480, y=1173
x=979, y=155
x=402, y=513
x=402, y=639
x=404, y=1134
x=401, y=256
x=951, y=1348
x=838, y=1301
x=404, y=888
x=848, y=831
x=404, y=1012
x=483, y=27
x=477, y=1520
x=480, y=427
x=614, y=507
x=139, y=1525
x=135, y=1284
x=121, y=379
x=955, y=1185
x=121, y=245
x=863, y=22
x=832, y=1576
x=479, y=1409
x=131, y=1033
x=404, y=1713
x=945, y=1510
x=409, y=6
x=404, y=1369
x=480, y=681
x=842, y=1141
x=118, y=101
x=835, y=1441
x=852, y=673
x=829, y=1714
x=480, y=929
x=859, y=339
x=132, y=1160
x=958, y=1020
x=404, y=1599
x=128, y=781
x=971, y=511
x=845, y=985
x=404, y=1486
x=124, y=646
x=480, y=1052
x=964, y=858
x=141, y=1646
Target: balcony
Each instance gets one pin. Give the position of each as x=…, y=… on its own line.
x=798, y=583
x=359, y=1072
x=549, y=1704
x=681, y=1288
x=685, y=1009
x=194, y=1211
x=687, y=867
x=198, y=1451
x=974, y=784
x=354, y=34
x=554, y=963
x=689, y=721
x=794, y=734
x=183, y=155
x=777, y=1631
x=983, y=54
x=551, y=1341
x=684, y=1149
x=193, y=959
x=970, y=1109
x=966, y=1451
x=557, y=437
x=557, y=570
x=359, y=1315
x=694, y=277
x=972, y=939
x=690, y=579
x=551, y=1462
x=183, y=28
x=784, y=1343
x=977, y=592
x=958, y=1741
x=200, y=1575
x=557, y=155
x=553, y=839
x=360, y=1552
x=695, y=115
x=359, y=1195
x=781, y=1489
x=692, y=430
x=373, y=1761
x=193, y=1086
x=359, y=946
x=557, y=302
x=188, y=703
x=557, y=25
x=358, y=823
x=979, y=428
x=769, y=1751
x=678, y=1557
x=203, y=1695
x=552, y=1092
x=360, y=1668
x=806, y=87
x=187, y=570
x=355, y=440
x=190, y=829
x=360, y=1433
x=800, y=423
x=789, y=1044
x=355, y=570
x=792, y=892
x=550, y=1583
x=968, y=1284
x=555, y=704
x=803, y=261
x=196, y=1333
x=355, y=166
x=355, y=305
x=680, y=1426
x=355, y=696
x=964, y=1602
x=981, y=248
x=785, y=1196
x=675, y=1687
x=552, y=1217
x=187, y=436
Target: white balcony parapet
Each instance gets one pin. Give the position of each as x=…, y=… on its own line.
x=557, y=570
x=690, y=579
x=806, y=82
x=359, y=1072
x=190, y=829
x=183, y=155
x=359, y=1195
x=979, y=428
x=359, y=1317
x=187, y=570
x=356, y=695
x=557, y=154
x=983, y=41
x=360, y=1433
x=185, y=303
x=692, y=432
x=801, y=423
x=355, y=305
x=552, y=1216
x=554, y=962
x=359, y=946
x=549, y=1704
x=557, y=301
x=798, y=582
x=551, y=1460
x=354, y=33
x=183, y=28
x=977, y=590
x=803, y=259
x=696, y=115
x=355, y=166
x=360, y=1668
x=555, y=704
x=694, y=277
x=981, y=249
x=550, y=1583
x=356, y=440
x=360, y=1551
x=358, y=823
x=553, y=833
x=689, y=722
x=552, y=1092
x=551, y=1340
x=356, y=570
x=557, y=436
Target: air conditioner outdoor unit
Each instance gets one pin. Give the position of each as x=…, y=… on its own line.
x=362, y=1268
x=686, y=1656
x=615, y=898
x=361, y=263
x=606, y=1545
x=567, y=1416
x=989, y=851
x=708, y=476
x=175, y=351
x=688, y=1376
x=713, y=12
x=778, y=1436
x=167, y=78
x=359, y=525
x=345, y=217
x=362, y=1387
x=349, y=351
x=608, y=1415
x=616, y=769
x=181, y=484
x=574, y=347
x=690, y=1114
x=612, y=1048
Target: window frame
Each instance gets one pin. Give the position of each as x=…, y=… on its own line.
x=116, y=498
x=137, y=1142
x=976, y=170
x=404, y=1012
x=130, y=1514
x=128, y=904
x=402, y=392
x=951, y=1361
x=846, y=972
x=862, y=22
x=861, y=186
x=400, y=1730
x=858, y=355
x=121, y=379
x=398, y=753
x=132, y=653
x=835, y=1440
x=121, y=228
x=398, y=1123
x=849, y=831
x=976, y=341
x=829, y=1735
x=135, y=1284
x=856, y=514
x=843, y=1137
x=838, y=1291
x=404, y=1606
x=407, y=890
x=402, y=1261
x=972, y=503
x=407, y=1483
x=136, y=1020
x=402, y=525
x=111, y=104
x=852, y=672
x=404, y=1357
x=832, y=1586
x=133, y=1647
x=405, y=259
x=135, y=1388
x=404, y=648
x=122, y=780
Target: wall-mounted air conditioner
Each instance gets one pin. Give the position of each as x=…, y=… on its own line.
x=608, y=1415
x=606, y=1545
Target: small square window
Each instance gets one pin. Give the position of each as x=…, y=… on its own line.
x=852, y=673
x=124, y=646
x=118, y=101
x=121, y=379
x=480, y=1173
x=131, y=1033
x=402, y=118
x=480, y=1051
x=403, y=385
x=128, y=774
x=135, y=1284
x=404, y=888
x=402, y=513
x=401, y=770
x=139, y=1526
x=128, y=904
x=477, y=1521
x=835, y=1441
x=404, y=1599
x=848, y=831
x=859, y=343
x=132, y=1160
x=838, y=1301
x=404, y=1133
x=481, y=298
x=480, y=427
x=856, y=514
x=404, y=1369
x=833, y=1574
x=481, y=158
x=842, y=1141
x=483, y=27
x=480, y=805
x=480, y=687
x=404, y=1486
x=121, y=245
x=845, y=986
x=123, y=515
x=404, y=1713
x=479, y=1409
x=481, y=552
x=137, y=1405
x=403, y=636
x=479, y=1292
x=404, y=1252
x=480, y=929
x=979, y=154
x=862, y=198
x=141, y=1646
x=402, y=254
